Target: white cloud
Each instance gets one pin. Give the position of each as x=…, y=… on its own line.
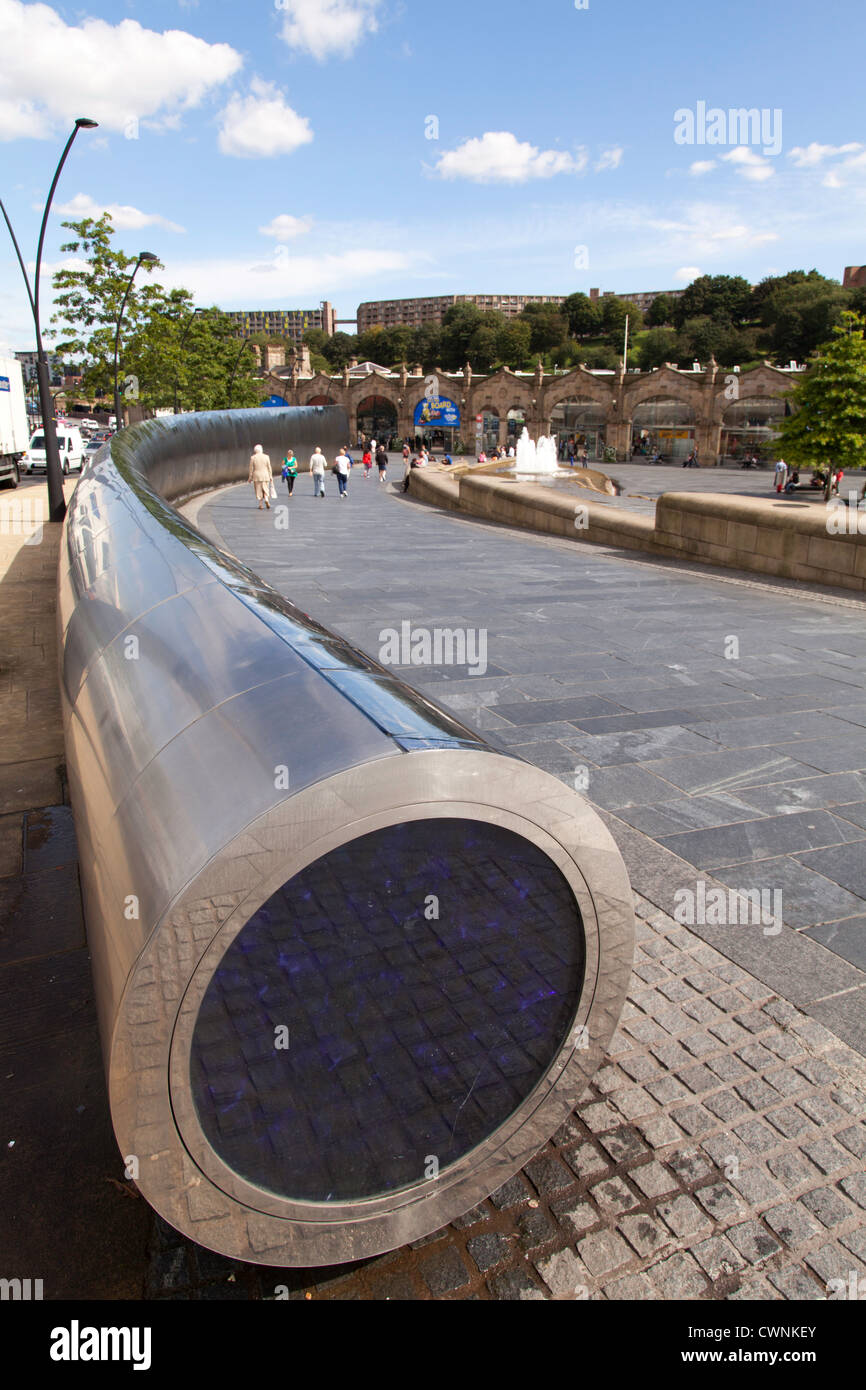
x=499, y=157
x=238, y=282
x=701, y=166
x=610, y=159
x=262, y=125
x=53, y=71
x=285, y=227
x=810, y=155
x=123, y=217
x=326, y=27
x=687, y=273
x=750, y=165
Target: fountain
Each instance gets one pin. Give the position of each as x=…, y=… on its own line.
x=532, y=457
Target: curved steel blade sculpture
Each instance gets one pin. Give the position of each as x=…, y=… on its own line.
x=353, y=967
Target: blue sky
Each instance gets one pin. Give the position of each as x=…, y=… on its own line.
x=277, y=154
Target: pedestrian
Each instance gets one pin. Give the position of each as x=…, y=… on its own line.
x=414, y=463
x=342, y=464
x=837, y=482
x=318, y=464
x=780, y=474
x=373, y=448
x=382, y=463
x=290, y=470
x=406, y=453
x=261, y=476
x=368, y=463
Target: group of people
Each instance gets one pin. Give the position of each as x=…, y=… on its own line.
x=787, y=479
x=261, y=473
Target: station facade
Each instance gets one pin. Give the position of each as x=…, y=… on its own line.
x=725, y=415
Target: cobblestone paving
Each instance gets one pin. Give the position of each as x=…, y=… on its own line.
x=717, y=1155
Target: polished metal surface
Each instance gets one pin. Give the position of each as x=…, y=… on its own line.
x=219, y=743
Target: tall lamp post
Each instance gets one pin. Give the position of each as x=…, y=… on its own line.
x=244, y=344
x=54, y=474
x=144, y=258
x=189, y=323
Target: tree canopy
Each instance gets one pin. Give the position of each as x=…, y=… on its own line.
x=155, y=320
x=829, y=423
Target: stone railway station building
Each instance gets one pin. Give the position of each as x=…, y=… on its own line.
x=725, y=414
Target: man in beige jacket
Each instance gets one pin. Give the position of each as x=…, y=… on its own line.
x=261, y=476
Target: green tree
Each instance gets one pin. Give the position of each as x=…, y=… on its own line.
x=340, y=349
x=660, y=313
x=547, y=327
x=829, y=426
x=659, y=346
x=613, y=315
x=88, y=301
x=800, y=317
x=723, y=297
x=583, y=315
x=513, y=344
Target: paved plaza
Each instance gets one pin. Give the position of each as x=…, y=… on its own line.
x=719, y=1152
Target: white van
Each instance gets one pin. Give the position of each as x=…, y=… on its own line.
x=70, y=444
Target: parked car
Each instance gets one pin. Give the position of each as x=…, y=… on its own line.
x=69, y=443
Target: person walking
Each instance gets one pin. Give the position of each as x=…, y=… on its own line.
x=781, y=474
x=318, y=464
x=382, y=463
x=290, y=470
x=368, y=463
x=342, y=464
x=261, y=476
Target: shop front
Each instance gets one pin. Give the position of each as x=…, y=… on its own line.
x=750, y=428
x=664, y=427
x=437, y=423
x=579, y=425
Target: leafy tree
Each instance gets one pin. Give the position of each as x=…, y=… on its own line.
x=724, y=297
x=427, y=347
x=829, y=426
x=800, y=317
x=602, y=356
x=613, y=315
x=659, y=346
x=513, y=344
x=772, y=284
x=547, y=327
x=660, y=313
x=340, y=349
x=583, y=315
x=88, y=301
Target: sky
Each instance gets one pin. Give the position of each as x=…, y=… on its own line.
x=281, y=152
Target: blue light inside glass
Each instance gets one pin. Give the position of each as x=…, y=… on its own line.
x=428, y=974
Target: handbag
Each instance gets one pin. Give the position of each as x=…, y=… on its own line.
x=273, y=489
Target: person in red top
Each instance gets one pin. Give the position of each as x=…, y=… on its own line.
x=368, y=463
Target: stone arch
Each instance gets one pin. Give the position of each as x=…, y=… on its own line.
x=579, y=384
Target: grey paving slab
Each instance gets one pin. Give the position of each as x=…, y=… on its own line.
x=765, y=838
x=729, y=770
x=843, y=864
x=846, y=938
x=688, y=813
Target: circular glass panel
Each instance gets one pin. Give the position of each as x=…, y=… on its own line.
x=387, y=1010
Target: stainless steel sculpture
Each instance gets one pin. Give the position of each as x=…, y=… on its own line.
x=353, y=967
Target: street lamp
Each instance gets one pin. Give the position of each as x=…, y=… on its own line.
x=189, y=323
x=144, y=258
x=245, y=342
x=54, y=474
